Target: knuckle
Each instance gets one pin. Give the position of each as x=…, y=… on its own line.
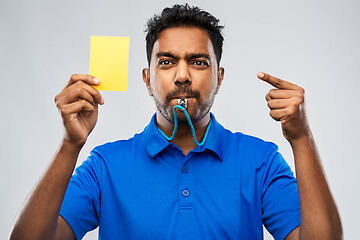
x=287, y=111
x=79, y=91
x=86, y=104
x=73, y=78
x=294, y=102
x=302, y=99
x=278, y=82
x=271, y=103
x=78, y=84
x=299, y=100
x=267, y=97
x=296, y=107
x=63, y=112
x=56, y=98
x=273, y=115
x=83, y=102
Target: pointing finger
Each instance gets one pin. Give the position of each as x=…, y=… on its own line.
x=277, y=82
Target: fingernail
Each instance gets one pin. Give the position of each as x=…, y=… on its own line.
x=96, y=81
x=102, y=100
x=260, y=74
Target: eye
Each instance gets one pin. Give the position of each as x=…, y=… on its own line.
x=165, y=62
x=200, y=63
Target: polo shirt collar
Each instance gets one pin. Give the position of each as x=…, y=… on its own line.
x=153, y=140
x=155, y=143
x=215, y=138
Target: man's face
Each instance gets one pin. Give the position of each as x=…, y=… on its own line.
x=183, y=65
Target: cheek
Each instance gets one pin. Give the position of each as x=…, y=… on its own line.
x=209, y=83
x=159, y=82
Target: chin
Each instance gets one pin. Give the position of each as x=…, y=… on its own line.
x=182, y=118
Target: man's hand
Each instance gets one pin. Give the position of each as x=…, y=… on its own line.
x=319, y=216
x=286, y=105
x=39, y=217
x=78, y=105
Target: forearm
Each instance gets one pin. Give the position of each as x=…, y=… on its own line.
x=39, y=215
x=319, y=216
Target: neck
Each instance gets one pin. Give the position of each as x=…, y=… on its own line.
x=183, y=137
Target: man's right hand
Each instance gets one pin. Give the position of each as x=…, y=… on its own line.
x=78, y=105
x=39, y=217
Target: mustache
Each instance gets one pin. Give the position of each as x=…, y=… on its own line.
x=183, y=90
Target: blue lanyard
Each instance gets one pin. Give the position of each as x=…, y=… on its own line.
x=191, y=126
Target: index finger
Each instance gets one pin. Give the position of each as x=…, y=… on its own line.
x=277, y=82
x=83, y=77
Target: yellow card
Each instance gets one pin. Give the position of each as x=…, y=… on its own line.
x=109, y=58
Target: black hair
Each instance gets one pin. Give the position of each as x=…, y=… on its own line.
x=184, y=16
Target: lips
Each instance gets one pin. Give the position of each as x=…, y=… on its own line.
x=183, y=92
x=179, y=97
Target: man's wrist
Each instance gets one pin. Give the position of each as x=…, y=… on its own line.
x=304, y=139
x=71, y=147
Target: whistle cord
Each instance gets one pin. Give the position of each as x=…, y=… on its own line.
x=191, y=126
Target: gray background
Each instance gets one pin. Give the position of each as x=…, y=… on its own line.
x=314, y=44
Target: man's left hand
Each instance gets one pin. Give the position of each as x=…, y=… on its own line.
x=286, y=103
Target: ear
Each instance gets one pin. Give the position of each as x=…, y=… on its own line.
x=220, y=78
x=146, y=79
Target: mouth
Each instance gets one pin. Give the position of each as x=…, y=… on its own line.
x=183, y=93
x=183, y=97
x=183, y=102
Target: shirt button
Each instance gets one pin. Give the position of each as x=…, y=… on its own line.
x=185, y=169
x=185, y=192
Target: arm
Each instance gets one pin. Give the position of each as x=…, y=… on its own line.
x=319, y=216
x=39, y=217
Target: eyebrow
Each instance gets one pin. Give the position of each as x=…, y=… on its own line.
x=165, y=54
x=190, y=56
x=198, y=55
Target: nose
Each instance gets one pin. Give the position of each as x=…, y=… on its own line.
x=182, y=75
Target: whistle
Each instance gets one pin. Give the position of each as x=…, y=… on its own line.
x=182, y=102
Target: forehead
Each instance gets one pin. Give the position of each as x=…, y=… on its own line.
x=184, y=40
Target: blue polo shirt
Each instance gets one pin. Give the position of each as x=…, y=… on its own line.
x=146, y=188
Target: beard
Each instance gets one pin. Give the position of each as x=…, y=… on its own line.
x=196, y=113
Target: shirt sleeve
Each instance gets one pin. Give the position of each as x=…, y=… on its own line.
x=81, y=204
x=280, y=197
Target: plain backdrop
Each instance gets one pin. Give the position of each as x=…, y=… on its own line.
x=314, y=44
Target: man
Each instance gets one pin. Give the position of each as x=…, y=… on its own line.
x=150, y=188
